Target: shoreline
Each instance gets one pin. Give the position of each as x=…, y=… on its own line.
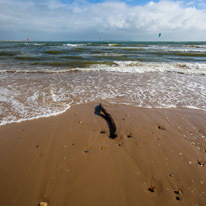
x=73, y=105
x=69, y=159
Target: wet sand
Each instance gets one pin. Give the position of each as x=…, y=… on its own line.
x=158, y=158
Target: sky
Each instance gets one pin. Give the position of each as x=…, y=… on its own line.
x=112, y=20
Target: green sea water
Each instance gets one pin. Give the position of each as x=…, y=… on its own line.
x=45, y=78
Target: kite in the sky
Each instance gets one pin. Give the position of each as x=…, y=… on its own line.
x=160, y=34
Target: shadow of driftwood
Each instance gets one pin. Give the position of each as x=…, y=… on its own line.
x=100, y=111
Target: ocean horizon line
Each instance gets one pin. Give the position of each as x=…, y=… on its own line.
x=147, y=41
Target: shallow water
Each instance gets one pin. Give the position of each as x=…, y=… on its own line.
x=45, y=78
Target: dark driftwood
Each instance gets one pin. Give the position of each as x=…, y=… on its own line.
x=108, y=118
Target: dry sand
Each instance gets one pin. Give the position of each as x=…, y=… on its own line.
x=66, y=161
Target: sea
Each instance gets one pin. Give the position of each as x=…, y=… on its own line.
x=41, y=79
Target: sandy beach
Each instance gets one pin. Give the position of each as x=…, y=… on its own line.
x=157, y=158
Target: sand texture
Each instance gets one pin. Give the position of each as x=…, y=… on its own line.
x=158, y=158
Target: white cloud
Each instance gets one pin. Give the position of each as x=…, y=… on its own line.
x=54, y=20
x=202, y=4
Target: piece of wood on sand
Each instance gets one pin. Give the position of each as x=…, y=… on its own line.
x=103, y=113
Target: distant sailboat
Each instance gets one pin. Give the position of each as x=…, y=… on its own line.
x=27, y=40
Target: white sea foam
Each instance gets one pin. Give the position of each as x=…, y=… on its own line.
x=163, y=48
x=113, y=45
x=139, y=67
x=121, y=67
x=30, y=96
x=194, y=107
x=73, y=45
x=108, y=54
x=37, y=44
x=4, y=121
x=176, y=49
